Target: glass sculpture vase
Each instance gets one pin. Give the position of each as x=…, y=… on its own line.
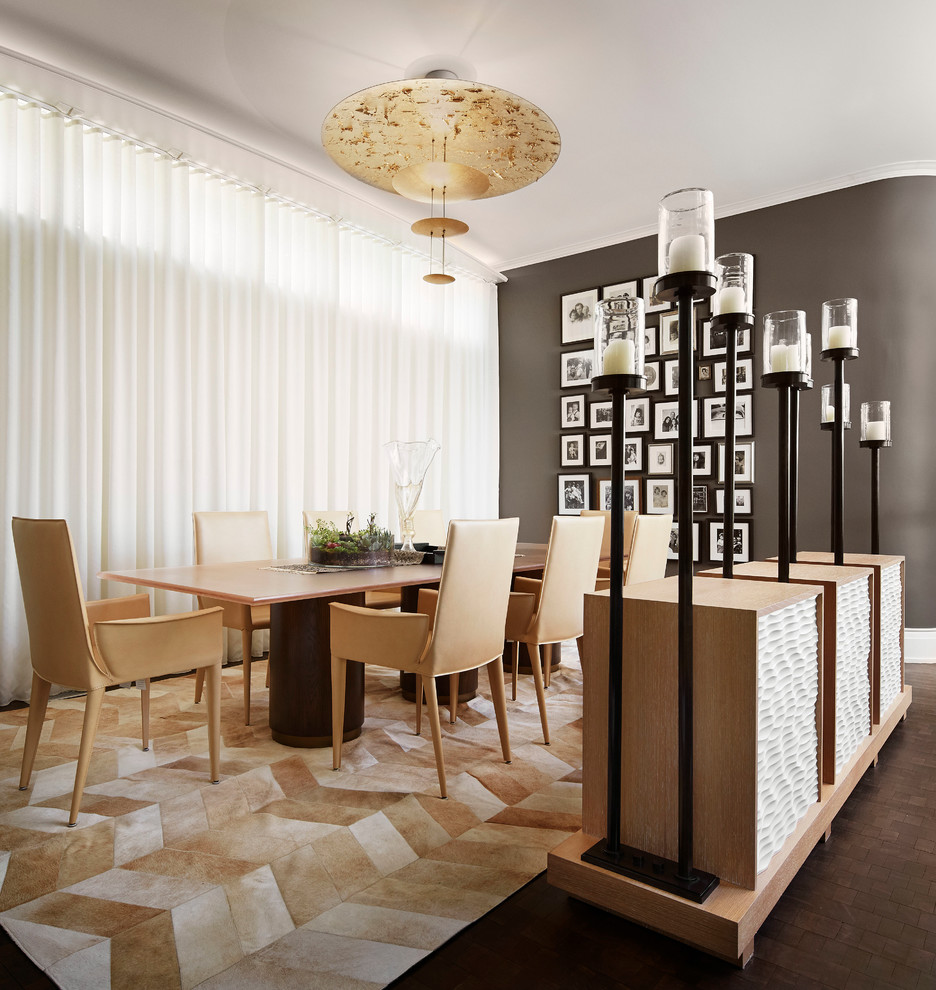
x=409, y=461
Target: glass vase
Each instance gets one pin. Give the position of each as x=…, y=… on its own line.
x=409, y=461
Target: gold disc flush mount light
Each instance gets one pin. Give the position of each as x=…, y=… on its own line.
x=441, y=138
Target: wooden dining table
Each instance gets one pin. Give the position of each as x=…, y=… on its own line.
x=300, y=674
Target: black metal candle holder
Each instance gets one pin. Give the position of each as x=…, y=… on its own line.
x=731, y=324
x=794, y=460
x=675, y=877
x=786, y=383
x=875, y=447
x=838, y=355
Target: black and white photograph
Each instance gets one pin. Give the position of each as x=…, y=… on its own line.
x=743, y=462
x=631, y=495
x=702, y=460
x=715, y=342
x=578, y=316
x=600, y=449
x=651, y=303
x=661, y=495
x=671, y=378
x=744, y=375
x=573, y=450
x=666, y=420
x=652, y=371
x=600, y=415
x=700, y=498
x=633, y=454
x=576, y=368
x=742, y=501
x=573, y=412
x=650, y=341
x=622, y=289
x=637, y=415
x=673, y=551
x=740, y=545
x=659, y=458
x=705, y=372
x=714, y=412
x=669, y=333
x=573, y=494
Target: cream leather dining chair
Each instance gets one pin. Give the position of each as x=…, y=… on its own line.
x=388, y=597
x=551, y=609
x=429, y=527
x=648, y=549
x=68, y=648
x=225, y=538
x=457, y=628
x=603, y=577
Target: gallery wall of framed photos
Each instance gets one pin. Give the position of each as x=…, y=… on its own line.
x=652, y=422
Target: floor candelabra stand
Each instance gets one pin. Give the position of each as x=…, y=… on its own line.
x=794, y=458
x=875, y=434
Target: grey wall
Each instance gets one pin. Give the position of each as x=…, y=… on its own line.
x=876, y=242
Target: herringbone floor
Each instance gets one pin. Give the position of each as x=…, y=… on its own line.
x=287, y=874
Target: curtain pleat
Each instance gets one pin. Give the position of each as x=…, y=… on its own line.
x=173, y=341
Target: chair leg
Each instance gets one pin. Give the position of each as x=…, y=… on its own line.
x=548, y=657
x=580, y=643
x=85, y=748
x=199, y=683
x=213, y=681
x=338, y=673
x=433, y=703
x=495, y=671
x=534, y=652
x=420, y=695
x=144, y=687
x=453, y=697
x=246, y=643
x=38, y=701
x=514, y=669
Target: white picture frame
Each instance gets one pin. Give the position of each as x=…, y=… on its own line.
x=702, y=460
x=573, y=494
x=599, y=415
x=669, y=333
x=572, y=450
x=741, y=543
x=576, y=368
x=672, y=552
x=650, y=342
x=744, y=463
x=572, y=414
x=599, y=450
x=637, y=415
x=743, y=501
x=652, y=371
x=661, y=495
x=631, y=494
x=578, y=316
x=651, y=303
x=744, y=375
x=660, y=458
x=620, y=290
x=671, y=378
x=666, y=420
x=713, y=416
x=633, y=454
x=715, y=342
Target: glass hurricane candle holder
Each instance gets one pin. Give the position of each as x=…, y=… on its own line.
x=808, y=368
x=785, y=341
x=876, y=422
x=840, y=324
x=619, y=337
x=827, y=407
x=735, y=292
x=687, y=232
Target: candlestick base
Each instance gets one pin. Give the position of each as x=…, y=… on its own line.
x=839, y=353
x=784, y=379
x=805, y=386
x=670, y=287
x=877, y=444
x=619, y=383
x=829, y=425
x=653, y=870
x=733, y=321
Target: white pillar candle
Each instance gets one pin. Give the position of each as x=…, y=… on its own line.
x=793, y=362
x=619, y=358
x=687, y=253
x=730, y=300
x=828, y=415
x=778, y=357
x=839, y=337
x=876, y=430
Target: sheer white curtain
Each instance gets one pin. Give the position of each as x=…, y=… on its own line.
x=171, y=341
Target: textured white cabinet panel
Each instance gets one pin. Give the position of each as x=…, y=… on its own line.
x=787, y=746
x=891, y=615
x=852, y=684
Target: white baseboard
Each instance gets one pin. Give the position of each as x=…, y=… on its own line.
x=920, y=645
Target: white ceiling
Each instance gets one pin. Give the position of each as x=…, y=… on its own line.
x=759, y=100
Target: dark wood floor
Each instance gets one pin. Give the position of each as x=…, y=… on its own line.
x=860, y=914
